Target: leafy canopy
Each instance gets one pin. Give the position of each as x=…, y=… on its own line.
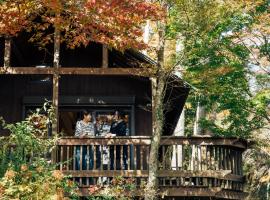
x=116, y=23
x=215, y=61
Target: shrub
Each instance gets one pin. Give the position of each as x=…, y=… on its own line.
x=26, y=171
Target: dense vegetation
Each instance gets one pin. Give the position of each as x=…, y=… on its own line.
x=224, y=58
x=218, y=61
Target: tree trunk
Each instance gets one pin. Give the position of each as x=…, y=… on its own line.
x=158, y=86
x=7, y=53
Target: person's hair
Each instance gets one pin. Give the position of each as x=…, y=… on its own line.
x=85, y=112
x=121, y=114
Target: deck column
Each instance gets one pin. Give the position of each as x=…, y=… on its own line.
x=56, y=66
x=7, y=53
x=105, y=58
x=55, y=98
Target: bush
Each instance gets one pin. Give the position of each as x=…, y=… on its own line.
x=26, y=171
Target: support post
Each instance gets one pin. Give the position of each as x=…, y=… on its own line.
x=7, y=53
x=55, y=98
x=56, y=58
x=105, y=56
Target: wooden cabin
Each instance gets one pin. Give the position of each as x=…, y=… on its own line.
x=103, y=80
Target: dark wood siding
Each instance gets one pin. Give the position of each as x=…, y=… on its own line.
x=14, y=88
x=114, y=86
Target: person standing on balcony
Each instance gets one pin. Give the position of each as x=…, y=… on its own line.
x=118, y=128
x=84, y=127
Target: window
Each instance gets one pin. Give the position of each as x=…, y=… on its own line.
x=102, y=109
x=102, y=117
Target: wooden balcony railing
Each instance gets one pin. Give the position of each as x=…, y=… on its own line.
x=207, y=166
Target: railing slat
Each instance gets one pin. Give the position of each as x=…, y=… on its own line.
x=61, y=157
x=141, y=156
x=94, y=150
x=114, y=158
x=88, y=158
x=81, y=157
x=74, y=157
x=121, y=157
x=68, y=159
x=128, y=158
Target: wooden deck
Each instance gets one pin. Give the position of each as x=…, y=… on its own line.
x=189, y=166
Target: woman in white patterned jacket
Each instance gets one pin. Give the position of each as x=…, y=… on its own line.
x=84, y=127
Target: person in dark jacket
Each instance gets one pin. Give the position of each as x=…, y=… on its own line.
x=118, y=128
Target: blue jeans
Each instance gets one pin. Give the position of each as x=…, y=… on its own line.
x=87, y=158
x=118, y=158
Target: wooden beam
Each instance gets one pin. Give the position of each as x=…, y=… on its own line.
x=107, y=173
x=146, y=140
x=229, y=194
x=219, y=174
x=103, y=141
x=204, y=140
x=190, y=191
x=105, y=71
x=77, y=71
x=25, y=70
x=215, y=192
x=105, y=56
x=166, y=192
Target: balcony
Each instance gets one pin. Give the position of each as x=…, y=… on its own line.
x=188, y=166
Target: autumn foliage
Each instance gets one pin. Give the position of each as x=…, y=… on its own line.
x=117, y=23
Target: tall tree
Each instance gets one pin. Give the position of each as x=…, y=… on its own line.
x=158, y=87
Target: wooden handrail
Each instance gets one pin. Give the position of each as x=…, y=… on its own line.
x=146, y=140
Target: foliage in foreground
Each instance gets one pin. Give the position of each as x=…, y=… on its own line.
x=25, y=173
x=119, y=189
